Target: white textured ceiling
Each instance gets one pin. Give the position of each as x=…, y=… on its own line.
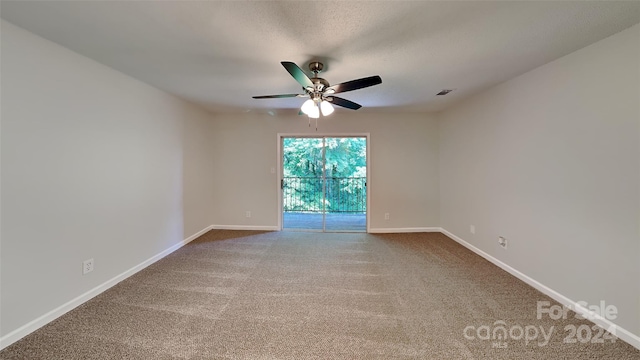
x=219, y=54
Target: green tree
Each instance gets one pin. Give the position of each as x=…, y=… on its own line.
x=345, y=171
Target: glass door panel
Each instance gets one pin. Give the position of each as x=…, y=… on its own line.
x=346, y=184
x=302, y=183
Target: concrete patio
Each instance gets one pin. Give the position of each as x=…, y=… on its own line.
x=338, y=222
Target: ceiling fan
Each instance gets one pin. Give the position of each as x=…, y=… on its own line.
x=319, y=92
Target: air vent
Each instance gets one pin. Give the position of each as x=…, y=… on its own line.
x=444, y=92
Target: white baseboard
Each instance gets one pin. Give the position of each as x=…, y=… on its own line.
x=624, y=334
x=403, y=230
x=194, y=236
x=246, y=227
x=41, y=321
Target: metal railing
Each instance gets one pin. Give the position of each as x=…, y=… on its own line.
x=340, y=194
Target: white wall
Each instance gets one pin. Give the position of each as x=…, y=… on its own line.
x=95, y=165
x=551, y=161
x=197, y=169
x=403, y=174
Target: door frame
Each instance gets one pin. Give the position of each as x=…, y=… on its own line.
x=280, y=166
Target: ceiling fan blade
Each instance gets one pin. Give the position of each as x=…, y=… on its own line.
x=343, y=102
x=278, y=96
x=297, y=74
x=354, y=84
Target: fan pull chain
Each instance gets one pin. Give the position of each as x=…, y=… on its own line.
x=316, y=124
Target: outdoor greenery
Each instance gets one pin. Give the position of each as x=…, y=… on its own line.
x=345, y=173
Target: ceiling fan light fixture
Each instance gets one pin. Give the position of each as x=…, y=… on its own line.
x=315, y=112
x=326, y=107
x=317, y=89
x=307, y=106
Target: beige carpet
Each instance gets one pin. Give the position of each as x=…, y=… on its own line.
x=288, y=295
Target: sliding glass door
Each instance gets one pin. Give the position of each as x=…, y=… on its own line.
x=324, y=183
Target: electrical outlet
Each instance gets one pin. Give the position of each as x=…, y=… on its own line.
x=386, y=216
x=247, y=214
x=87, y=266
x=472, y=229
x=502, y=242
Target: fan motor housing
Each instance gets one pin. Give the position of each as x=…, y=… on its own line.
x=319, y=81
